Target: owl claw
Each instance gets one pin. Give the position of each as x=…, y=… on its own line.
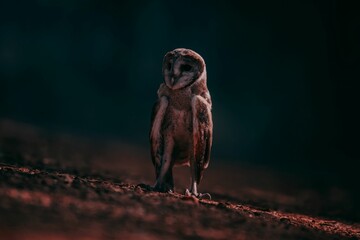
x=197, y=195
x=204, y=196
x=165, y=188
x=145, y=186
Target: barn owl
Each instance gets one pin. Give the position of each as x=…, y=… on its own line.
x=181, y=124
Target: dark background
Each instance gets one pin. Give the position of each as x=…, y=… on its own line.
x=284, y=75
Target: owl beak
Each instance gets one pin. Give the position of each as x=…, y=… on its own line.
x=172, y=80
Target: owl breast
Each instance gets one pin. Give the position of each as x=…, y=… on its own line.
x=181, y=99
x=178, y=126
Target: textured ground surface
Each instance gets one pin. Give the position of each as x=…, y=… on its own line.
x=61, y=187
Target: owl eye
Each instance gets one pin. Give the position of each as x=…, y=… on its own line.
x=185, y=68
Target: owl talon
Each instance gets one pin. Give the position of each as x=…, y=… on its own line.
x=197, y=195
x=204, y=196
x=165, y=188
x=145, y=187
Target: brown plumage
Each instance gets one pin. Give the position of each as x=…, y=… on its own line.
x=181, y=123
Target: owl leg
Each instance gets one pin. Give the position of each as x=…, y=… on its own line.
x=197, y=152
x=169, y=179
x=194, y=184
x=165, y=181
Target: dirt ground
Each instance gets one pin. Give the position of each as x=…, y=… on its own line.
x=57, y=186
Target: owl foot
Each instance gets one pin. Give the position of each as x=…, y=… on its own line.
x=165, y=188
x=198, y=195
x=145, y=186
x=155, y=189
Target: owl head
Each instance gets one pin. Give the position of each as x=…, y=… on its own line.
x=182, y=67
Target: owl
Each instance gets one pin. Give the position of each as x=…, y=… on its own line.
x=181, y=123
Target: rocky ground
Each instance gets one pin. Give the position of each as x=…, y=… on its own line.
x=57, y=186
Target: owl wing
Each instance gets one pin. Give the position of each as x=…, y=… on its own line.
x=156, y=139
x=202, y=134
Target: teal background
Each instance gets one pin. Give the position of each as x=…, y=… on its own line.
x=284, y=75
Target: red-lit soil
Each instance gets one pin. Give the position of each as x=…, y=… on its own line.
x=55, y=186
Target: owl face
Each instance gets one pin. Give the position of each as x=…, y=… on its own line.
x=182, y=67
